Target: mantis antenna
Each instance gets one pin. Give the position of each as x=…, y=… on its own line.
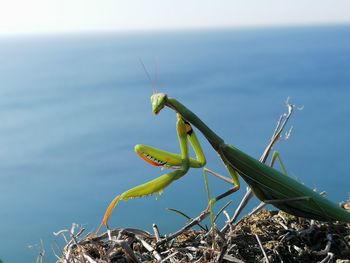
x=149, y=77
x=156, y=75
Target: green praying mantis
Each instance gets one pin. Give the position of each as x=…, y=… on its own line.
x=268, y=184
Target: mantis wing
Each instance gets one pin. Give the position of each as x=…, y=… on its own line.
x=288, y=194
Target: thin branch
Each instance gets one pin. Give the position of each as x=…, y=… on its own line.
x=156, y=232
x=186, y=216
x=150, y=248
x=262, y=248
x=192, y=223
x=128, y=250
x=222, y=210
x=282, y=122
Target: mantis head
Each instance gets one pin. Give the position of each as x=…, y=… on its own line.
x=158, y=102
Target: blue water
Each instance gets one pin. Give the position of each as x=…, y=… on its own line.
x=72, y=107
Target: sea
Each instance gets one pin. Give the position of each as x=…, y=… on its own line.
x=73, y=106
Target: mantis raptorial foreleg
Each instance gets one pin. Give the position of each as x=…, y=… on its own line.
x=180, y=162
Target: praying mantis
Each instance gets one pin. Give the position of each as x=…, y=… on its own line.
x=268, y=184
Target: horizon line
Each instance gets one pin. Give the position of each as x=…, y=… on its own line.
x=173, y=29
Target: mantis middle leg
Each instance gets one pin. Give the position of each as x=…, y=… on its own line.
x=234, y=180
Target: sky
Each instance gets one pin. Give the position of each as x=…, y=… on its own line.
x=50, y=16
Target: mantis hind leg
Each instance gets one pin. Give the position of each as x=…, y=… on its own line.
x=277, y=156
x=249, y=193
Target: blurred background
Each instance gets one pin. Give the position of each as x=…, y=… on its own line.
x=74, y=100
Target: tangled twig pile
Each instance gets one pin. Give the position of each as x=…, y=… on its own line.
x=263, y=237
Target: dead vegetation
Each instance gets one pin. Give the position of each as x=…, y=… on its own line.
x=262, y=237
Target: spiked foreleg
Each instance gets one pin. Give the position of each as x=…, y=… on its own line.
x=161, y=158
x=166, y=159
x=152, y=187
x=159, y=184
